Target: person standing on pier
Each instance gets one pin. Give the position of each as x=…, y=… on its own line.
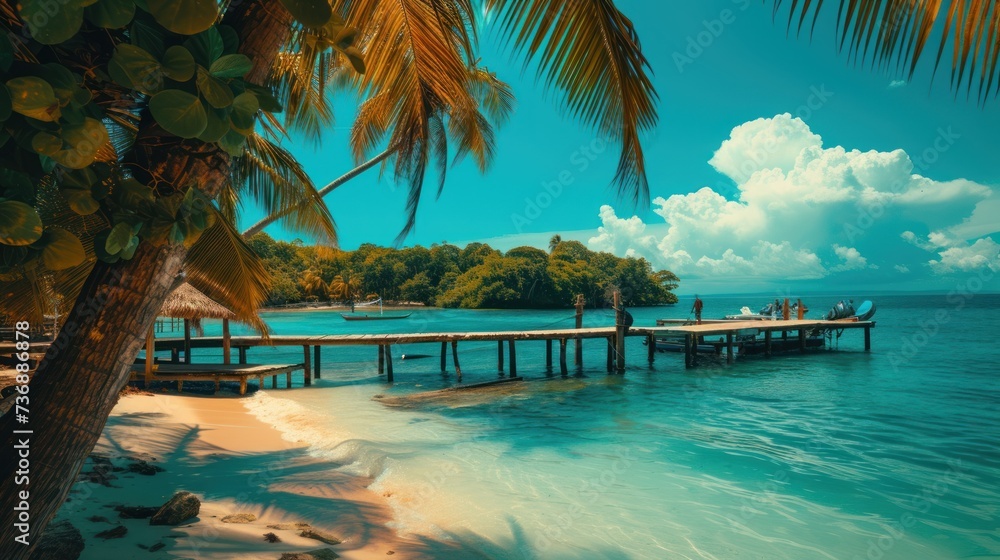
x=696, y=309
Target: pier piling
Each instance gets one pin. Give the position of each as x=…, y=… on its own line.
x=513, y=358
x=306, y=369
x=548, y=355
x=651, y=348
x=578, y=358
x=316, y=360
x=381, y=359
x=868, y=339
x=454, y=357
x=562, y=356
x=444, y=357
x=500, y=357
x=729, y=347
x=767, y=344
x=388, y=364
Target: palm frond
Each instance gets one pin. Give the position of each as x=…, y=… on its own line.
x=496, y=97
x=225, y=269
x=417, y=54
x=270, y=175
x=589, y=51
x=891, y=35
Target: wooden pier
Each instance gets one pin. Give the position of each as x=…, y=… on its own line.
x=613, y=339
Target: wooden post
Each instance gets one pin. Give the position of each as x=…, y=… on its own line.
x=274, y=381
x=767, y=344
x=444, y=357
x=175, y=355
x=578, y=358
x=786, y=310
x=381, y=359
x=868, y=339
x=187, y=342
x=729, y=347
x=801, y=310
x=454, y=357
x=500, y=357
x=548, y=355
x=802, y=340
x=513, y=358
x=151, y=351
x=316, y=360
x=307, y=369
x=611, y=354
x=651, y=350
x=226, y=344
x=387, y=352
x=688, y=362
x=562, y=356
x=243, y=354
x=619, y=331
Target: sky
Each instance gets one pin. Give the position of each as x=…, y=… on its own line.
x=777, y=165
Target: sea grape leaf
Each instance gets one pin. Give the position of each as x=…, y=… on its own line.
x=62, y=249
x=206, y=47
x=185, y=17
x=118, y=239
x=231, y=66
x=110, y=14
x=310, y=13
x=52, y=26
x=179, y=113
x=19, y=223
x=245, y=107
x=215, y=91
x=178, y=64
x=216, y=129
x=136, y=68
x=33, y=97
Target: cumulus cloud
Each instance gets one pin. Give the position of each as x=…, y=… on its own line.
x=895, y=84
x=852, y=259
x=902, y=269
x=802, y=210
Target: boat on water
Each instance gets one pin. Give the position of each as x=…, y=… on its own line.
x=371, y=317
x=751, y=341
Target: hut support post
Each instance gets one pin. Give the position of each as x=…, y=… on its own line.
x=187, y=341
x=513, y=358
x=454, y=357
x=578, y=358
x=226, y=343
x=243, y=354
x=562, y=356
x=729, y=347
x=307, y=369
x=548, y=355
x=316, y=359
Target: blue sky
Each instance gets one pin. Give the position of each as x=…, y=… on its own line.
x=830, y=173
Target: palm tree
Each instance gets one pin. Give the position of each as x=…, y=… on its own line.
x=312, y=284
x=133, y=131
x=554, y=242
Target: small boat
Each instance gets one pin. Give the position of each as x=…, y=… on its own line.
x=367, y=317
x=844, y=310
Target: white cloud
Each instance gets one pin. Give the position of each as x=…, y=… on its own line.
x=852, y=259
x=895, y=84
x=982, y=254
x=802, y=211
x=902, y=268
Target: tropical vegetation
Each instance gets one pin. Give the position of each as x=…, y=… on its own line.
x=475, y=276
x=134, y=131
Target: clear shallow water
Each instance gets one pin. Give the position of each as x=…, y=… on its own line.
x=838, y=455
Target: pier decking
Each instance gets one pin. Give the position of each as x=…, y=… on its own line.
x=614, y=336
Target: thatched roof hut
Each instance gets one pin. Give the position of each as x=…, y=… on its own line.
x=187, y=302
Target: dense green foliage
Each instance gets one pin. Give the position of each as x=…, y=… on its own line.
x=476, y=276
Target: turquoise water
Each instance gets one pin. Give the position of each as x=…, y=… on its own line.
x=837, y=455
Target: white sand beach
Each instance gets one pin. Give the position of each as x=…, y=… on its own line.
x=235, y=464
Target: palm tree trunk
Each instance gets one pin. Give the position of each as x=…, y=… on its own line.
x=268, y=220
x=77, y=383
